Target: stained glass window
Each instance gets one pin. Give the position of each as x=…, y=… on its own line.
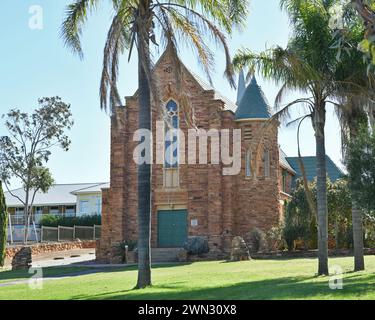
x=171, y=135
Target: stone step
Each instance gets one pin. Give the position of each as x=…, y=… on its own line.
x=164, y=254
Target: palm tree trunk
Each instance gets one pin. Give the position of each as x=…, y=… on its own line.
x=321, y=192
x=337, y=233
x=357, y=221
x=144, y=170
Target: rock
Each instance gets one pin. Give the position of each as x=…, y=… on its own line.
x=182, y=255
x=117, y=255
x=22, y=259
x=240, y=251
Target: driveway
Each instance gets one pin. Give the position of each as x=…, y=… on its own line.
x=53, y=259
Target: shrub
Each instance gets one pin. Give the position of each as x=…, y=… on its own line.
x=274, y=238
x=54, y=221
x=196, y=245
x=257, y=240
x=291, y=233
x=131, y=244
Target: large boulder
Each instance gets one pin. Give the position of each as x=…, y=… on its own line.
x=256, y=240
x=240, y=251
x=196, y=245
x=22, y=259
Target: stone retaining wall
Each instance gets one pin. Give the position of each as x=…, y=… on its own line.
x=50, y=247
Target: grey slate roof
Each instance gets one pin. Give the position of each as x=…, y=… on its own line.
x=334, y=173
x=241, y=86
x=253, y=104
x=58, y=194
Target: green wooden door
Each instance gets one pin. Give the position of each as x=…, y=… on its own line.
x=172, y=228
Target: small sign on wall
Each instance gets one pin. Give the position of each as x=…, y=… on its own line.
x=194, y=222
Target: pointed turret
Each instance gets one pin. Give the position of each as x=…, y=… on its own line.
x=253, y=104
x=241, y=86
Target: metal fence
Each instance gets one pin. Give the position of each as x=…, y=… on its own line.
x=17, y=234
x=57, y=234
x=54, y=234
x=49, y=234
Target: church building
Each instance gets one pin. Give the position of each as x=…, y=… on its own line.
x=197, y=199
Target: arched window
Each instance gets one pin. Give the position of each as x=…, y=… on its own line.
x=171, y=150
x=267, y=163
x=171, y=135
x=248, y=163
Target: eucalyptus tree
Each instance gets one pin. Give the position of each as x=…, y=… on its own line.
x=28, y=145
x=142, y=24
x=307, y=65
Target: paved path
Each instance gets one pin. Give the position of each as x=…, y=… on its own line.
x=63, y=258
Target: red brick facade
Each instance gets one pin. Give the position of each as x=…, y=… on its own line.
x=222, y=206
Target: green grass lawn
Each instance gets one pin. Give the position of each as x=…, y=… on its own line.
x=19, y=275
x=256, y=279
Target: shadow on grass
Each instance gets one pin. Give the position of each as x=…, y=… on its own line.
x=276, y=289
x=73, y=271
x=48, y=272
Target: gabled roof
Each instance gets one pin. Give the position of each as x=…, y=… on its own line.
x=228, y=104
x=58, y=194
x=284, y=163
x=253, y=104
x=333, y=172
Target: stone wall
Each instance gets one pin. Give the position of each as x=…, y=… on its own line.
x=50, y=248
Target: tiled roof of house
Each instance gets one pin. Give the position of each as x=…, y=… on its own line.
x=334, y=173
x=253, y=104
x=92, y=189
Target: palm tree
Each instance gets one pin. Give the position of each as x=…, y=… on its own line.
x=136, y=23
x=307, y=65
x=354, y=109
x=351, y=116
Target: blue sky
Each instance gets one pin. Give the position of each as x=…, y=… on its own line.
x=35, y=63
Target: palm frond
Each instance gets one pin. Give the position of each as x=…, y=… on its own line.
x=75, y=16
x=118, y=39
